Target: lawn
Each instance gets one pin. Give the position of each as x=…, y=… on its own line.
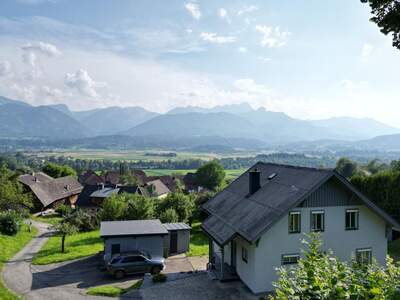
x=113, y=291
x=76, y=246
x=230, y=174
x=198, y=241
x=10, y=245
x=50, y=219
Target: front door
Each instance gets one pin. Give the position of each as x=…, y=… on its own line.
x=233, y=255
x=173, y=242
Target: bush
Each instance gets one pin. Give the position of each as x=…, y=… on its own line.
x=320, y=275
x=83, y=220
x=160, y=277
x=9, y=223
x=169, y=216
x=63, y=210
x=181, y=203
x=114, y=208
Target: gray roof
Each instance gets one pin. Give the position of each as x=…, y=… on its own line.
x=48, y=189
x=105, y=192
x=176, y=226
x=234, y=212
x=132, y=228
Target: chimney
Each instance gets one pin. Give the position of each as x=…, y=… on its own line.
x=254, y=181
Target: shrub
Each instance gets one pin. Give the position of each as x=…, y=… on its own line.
x=83, y=220
x=169, y=216
x=181, y=203
x=160, y=277
x=113, y=208
x=63, y=210
x=320, y=275
x=9, y=223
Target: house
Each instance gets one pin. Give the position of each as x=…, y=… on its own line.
x=257, y=222
x=150, y=236
x=190, y=183
x=169, y=181
x=90, y=178
x=157, y=189
x=50, y=192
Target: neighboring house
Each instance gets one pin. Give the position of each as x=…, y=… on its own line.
x=90, y=178
x=157, y=188
x=190, y=183
x=149, y=236
x=49, y=192
x=169, y=181
x=257, y=222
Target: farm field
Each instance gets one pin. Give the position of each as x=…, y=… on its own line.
x=230, y=174
x=135, y=155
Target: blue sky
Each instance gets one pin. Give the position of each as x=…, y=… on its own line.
x=309, y=58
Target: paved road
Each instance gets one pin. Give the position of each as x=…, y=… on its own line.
x=25, y=280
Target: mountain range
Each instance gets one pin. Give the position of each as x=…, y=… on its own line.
x=237, y=125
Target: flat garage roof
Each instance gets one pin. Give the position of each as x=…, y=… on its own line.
x=137, y=227
x=176, y=226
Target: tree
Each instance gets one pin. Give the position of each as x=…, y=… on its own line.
x=169, y=216
x=57, y=171
x=199, y=214
x=12, y=196
x=130, y=178
x=139, y=207
x=211, y=175
x=320, y=275
x=113, y=208
x=386, y=14
x=181, y=203
x=376, y=166
x=63, y=229
x=346, y=167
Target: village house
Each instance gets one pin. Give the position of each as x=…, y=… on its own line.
x=257, y=223
x=49, y=192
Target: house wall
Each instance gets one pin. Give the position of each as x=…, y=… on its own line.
x=153, y=244
x=260, y=271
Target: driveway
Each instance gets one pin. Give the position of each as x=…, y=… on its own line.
x=70, y=280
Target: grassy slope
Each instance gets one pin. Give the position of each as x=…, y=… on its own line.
x=76, y=246
x=113, y=291
x=9, y=246
x=198, y=242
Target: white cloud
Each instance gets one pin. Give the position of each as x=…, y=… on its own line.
x=223, y=14
x=29, y=58
x=5, y=68
x=242, y=49
x=264, y=59
x=272, y=37
x=354, y=86
x=52, y=93
x=43, y=48
x=83, y=83
x=250, y=86
x=247, y=9
x=366, y=51
x=193, y=9
x=212, y=37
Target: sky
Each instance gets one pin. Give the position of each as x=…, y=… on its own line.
x=311, y=59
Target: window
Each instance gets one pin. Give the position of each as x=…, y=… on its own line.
x=364, y=256
x=244, y=254
x=115, y=249
x=352, y=219
x=290, y=259
x=317, y=221
x=294, y=222
x=132, y=259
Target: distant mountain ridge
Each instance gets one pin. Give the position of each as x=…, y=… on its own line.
x=210, y=126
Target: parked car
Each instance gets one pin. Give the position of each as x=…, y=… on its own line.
x=135, y=263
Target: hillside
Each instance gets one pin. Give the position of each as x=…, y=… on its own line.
x=18, y=121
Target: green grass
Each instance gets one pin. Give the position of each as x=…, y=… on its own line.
x=198, y=241
x=50, y=219
x=230, y=174
x=10, y=245
x=113, y=291
x=76, y=246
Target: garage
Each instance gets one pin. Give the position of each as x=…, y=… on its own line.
x=150, y=236
x=178, y=238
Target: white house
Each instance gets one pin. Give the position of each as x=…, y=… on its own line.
x=256, y=224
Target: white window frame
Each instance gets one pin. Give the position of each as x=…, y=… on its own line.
x=364, y=251
x=317, y=212
x=356, y=220
x=294, y=213
x=290, y=259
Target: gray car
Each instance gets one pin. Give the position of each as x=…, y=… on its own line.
x=135, y=263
